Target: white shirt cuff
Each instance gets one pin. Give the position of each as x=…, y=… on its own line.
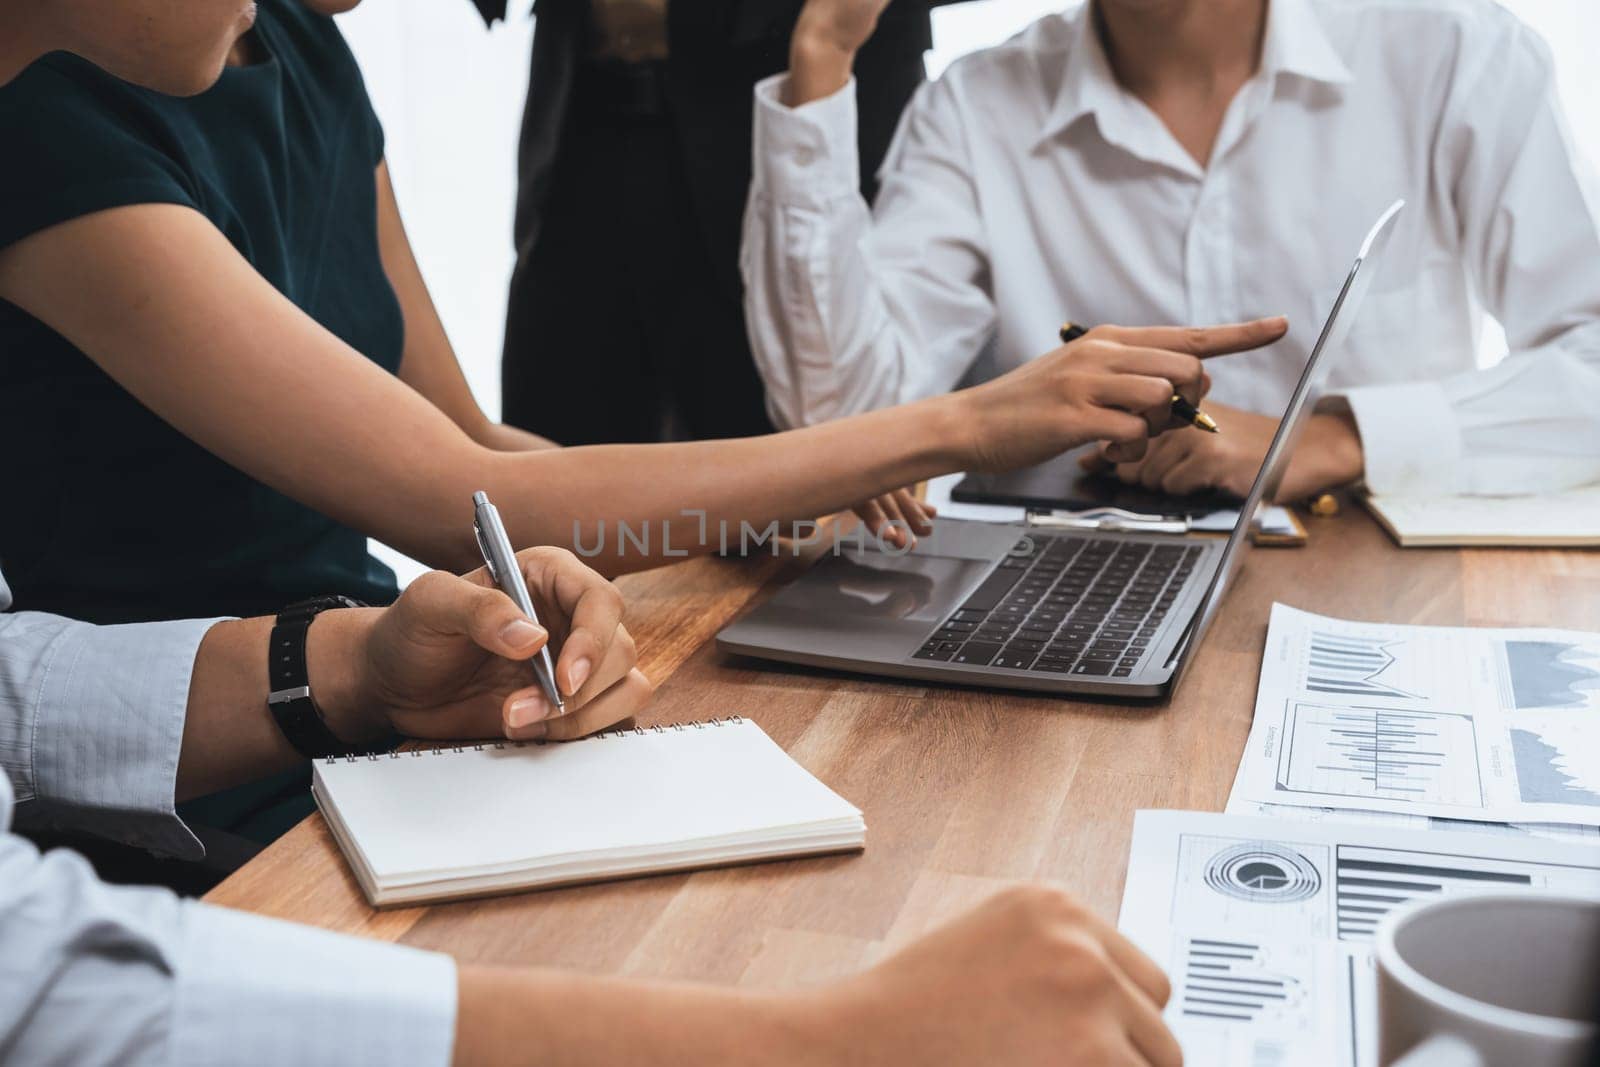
x=1410, y=439
x=805, y=156
x=109, y=730
x=254, y=990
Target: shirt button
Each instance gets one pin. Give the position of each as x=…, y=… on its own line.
x=804, y=156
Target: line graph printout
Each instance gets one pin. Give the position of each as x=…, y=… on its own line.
x=1553, y=674
x=1265, y=927
x=1455, y=723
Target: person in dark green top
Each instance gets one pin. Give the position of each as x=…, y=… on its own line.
x=279, y=156
x=220, y=370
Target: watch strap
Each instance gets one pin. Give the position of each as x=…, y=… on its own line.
x=293, y=707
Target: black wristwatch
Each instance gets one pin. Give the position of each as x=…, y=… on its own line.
x=292, y=705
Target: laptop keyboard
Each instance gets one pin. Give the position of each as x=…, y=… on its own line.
x=1066, y=605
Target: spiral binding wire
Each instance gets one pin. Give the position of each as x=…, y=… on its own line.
x=637, y=731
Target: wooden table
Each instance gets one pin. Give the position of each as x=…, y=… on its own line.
x=964, y=790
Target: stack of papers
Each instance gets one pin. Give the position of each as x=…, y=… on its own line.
x=1369, y=739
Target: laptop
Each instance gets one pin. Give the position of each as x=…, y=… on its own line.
x=1017, y=607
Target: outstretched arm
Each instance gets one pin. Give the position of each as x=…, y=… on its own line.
x=164, y=304
x=429, y=366
x=166, y=980
x=1062, y=988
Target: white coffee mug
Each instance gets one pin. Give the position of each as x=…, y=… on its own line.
x=1490, y=979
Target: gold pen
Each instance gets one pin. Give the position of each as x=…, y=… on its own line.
x=1181, y=408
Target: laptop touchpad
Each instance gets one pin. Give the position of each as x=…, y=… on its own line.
x=914, y=587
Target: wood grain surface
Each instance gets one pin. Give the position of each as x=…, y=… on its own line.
x=964, y=790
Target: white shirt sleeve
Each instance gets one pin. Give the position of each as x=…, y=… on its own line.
x=98, y=974
x=848, y=310
x=91, y=724
x=1528, y=210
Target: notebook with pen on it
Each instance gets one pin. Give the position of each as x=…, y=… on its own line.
x=449, y=823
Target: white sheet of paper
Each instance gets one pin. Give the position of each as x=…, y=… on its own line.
x=1274, y=519
x=1478, y=724
x=1265, y=927
x=1578, y=835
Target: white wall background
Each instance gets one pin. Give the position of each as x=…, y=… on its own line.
x=450, y=96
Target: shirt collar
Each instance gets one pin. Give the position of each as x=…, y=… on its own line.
x=1087, y=84
x=1296, y=43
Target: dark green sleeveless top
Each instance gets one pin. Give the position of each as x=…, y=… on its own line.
x=106, y=512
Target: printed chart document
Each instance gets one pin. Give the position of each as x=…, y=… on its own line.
x=1478, y=724
x=1265, y=927
x=1577, y=835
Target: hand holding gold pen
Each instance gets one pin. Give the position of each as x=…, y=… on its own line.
x=1181, y=408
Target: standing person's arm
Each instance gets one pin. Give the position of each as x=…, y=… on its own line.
x=156, y=295
x=1528, y=209
x=850, y=308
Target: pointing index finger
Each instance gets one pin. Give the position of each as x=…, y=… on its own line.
x=1207, y=341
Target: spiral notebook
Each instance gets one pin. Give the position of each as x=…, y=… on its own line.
x=447, y=823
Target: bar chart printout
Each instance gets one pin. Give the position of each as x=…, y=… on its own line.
x=1351, y=665
x=1371, y=882
x=1234, y=981
x=1403, y=755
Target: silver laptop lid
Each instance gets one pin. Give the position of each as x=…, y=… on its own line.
x=1304, y=401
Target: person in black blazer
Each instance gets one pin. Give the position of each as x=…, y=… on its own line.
x=633, y=170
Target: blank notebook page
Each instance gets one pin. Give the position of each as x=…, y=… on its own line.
x=507, y=809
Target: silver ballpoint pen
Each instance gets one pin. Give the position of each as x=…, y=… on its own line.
x=501, y=560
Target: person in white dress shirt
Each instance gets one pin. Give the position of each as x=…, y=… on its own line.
x=1135, y=161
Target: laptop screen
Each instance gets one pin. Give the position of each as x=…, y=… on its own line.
x=1304, y=401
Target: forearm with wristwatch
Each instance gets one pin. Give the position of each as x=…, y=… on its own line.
x=268, y=694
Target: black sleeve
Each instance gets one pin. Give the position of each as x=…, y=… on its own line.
x=75, y=141
x=773, y=20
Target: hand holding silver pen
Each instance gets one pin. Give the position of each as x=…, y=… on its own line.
x=501, y=560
